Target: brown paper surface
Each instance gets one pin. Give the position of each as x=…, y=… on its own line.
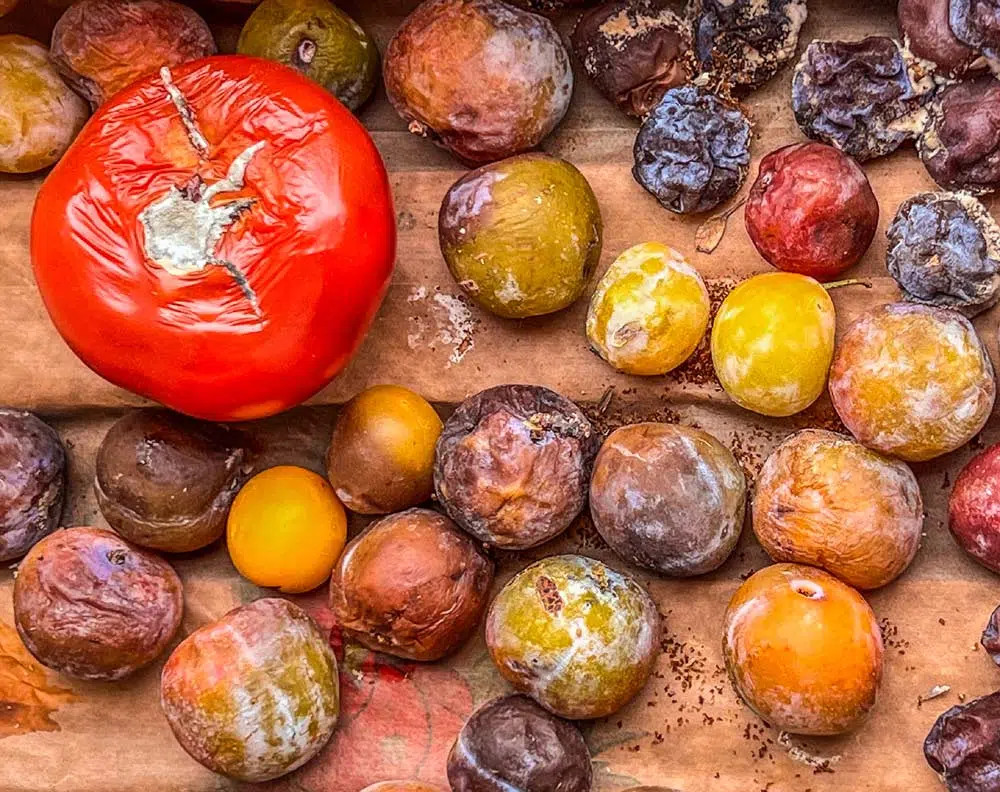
x=686, y=731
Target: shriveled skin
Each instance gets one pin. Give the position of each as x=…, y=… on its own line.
x=381, y=455
x=912, y=381
x=412, y=585
x=924, y=27
x=803, y=650
x=513, y=464
x=825, y=500
x=91, y=606
x=100, y=46
x=668, y=498
x=974, y=508
x=772, y=343
x=254, y=695
x=479, y=77
x=963, y=745
x=522, y=236
x=39, y=114
x=575, y=635
x=513, y=745
x=166, y=482
x=977, y=23
x=650, y=311
x=32, y=482
x=811, y=210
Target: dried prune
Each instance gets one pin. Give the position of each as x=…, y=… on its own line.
x=960, y=143
x=693, y=151
x=746, y=42
x=991, y=636
x=923, y=24
x=634, y=52
x=944, y=250
x=864, y=97
x=964, y=745
x=977, y=23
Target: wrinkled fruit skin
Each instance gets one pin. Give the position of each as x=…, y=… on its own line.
x=100, y=46
x=692, y=151
x=460, y=72
x=634, y=52
x=668, y=498
x=974, y=508
x=963, y=746
x=575, y=635
x=511, y=744
x=412, y=585
x=811, y=210
x=944, y=250
x=381, y=455
x=39, y=114
x=513, y=464
x=186, y=298
x=977, y=23
x=522, y=236
x=858, y=96
x=960, y=145
x=649, y=312
x=911, y=381
x=255, y=694
x=317, y=39
x=89, y=605
x=990, y=639
x=772, y=343
x=803, y=650
x=746, y=42
x=823, y=499
x=924, y=26
x=166, y=482
x=32, y=482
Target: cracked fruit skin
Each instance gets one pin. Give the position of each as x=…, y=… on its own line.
x=912, y=381
x=255, y=694
x=803, y=650
x=650, y=311
x=575, y=635
x=772, y=343
x=522, y=236
x=229, y=268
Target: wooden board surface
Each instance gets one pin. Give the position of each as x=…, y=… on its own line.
x=687, y=731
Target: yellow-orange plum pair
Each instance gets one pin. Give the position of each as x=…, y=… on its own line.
x=803, y=650
x=912, y=381
x=772, y=343
x=650, y=311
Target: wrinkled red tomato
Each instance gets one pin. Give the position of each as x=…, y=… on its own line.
x=218, y=238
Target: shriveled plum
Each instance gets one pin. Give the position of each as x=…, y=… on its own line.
x=924, y=27
x=634, y=51
x=977, y=23
x=974, y=508
x=692, y=151
x=963, y=745
x=944, y=250
x=513, y=464
x=863, y=97
x=90, y=605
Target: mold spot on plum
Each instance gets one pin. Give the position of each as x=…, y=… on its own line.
x=117, y=557
x=549, y=593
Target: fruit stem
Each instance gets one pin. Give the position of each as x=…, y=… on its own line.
x=849, y=282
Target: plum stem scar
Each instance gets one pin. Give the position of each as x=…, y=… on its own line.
x=184, y=110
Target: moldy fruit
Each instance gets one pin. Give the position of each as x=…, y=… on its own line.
x=977, y=23
x=381, y=455
x=911, y=381
x=317, y=39
x=91, y=606
x=523, y=236
x=811, y=210
x=668, y=498
x=803, y=650
x=924, y=26
x=32, y=482
x=577, y=636
x=511, y=744
x=412, y=585
x=825, y=500
x=974, y=508
x=255, y=694
x=481, y=78
x=166, y=482
x=513, y=464
x=39, y=114
x=650, y=311
x=963, y=746
x=772, y=343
